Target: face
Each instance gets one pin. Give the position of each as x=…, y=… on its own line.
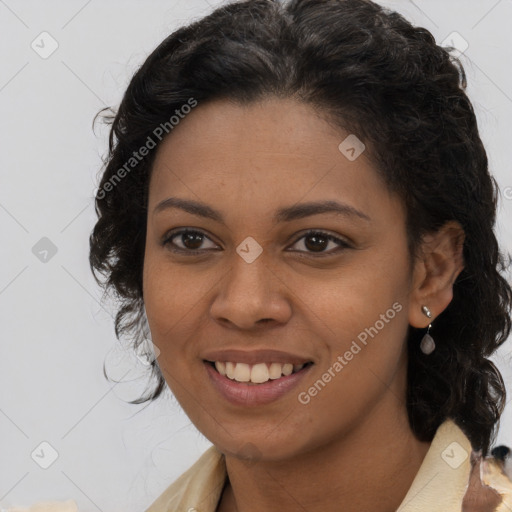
x=293, y=254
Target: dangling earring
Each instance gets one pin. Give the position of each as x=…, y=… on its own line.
x=427, y=344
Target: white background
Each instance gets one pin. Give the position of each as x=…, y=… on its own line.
x=56, y=333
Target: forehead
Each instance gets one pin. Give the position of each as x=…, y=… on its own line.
x=274, y=148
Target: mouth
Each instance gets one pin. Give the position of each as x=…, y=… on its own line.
x=255, y=384
x=256, y=374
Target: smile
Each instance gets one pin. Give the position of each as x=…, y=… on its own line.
x=256, y=384
x=256, y=373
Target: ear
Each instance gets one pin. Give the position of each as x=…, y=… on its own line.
x=440, y=260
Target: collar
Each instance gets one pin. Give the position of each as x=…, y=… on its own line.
x=442, y=480
x=439, y=485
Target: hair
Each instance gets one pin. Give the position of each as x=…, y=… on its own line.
x=369, y=71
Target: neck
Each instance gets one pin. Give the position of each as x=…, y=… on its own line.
x=369, y=468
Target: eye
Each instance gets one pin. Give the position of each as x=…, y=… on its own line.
x=316, y=242
x=187, y=241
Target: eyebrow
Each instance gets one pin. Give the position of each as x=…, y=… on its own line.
x=287, y=214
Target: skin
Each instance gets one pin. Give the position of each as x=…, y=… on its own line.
x=479, y=497
x=352, y=442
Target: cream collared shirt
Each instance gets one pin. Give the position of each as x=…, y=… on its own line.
x=439, y=485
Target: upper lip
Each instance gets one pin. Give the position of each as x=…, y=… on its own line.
x=254, y=356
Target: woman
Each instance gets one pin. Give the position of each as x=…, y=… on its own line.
x=297, y=205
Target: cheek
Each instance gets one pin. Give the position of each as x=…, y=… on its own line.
x=175, y=298
x=366, y=327
x=360, y=317
x=166, y=299
x=362, y=324
x=354, y=297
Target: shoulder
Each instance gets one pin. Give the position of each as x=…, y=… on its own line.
x=199, y=487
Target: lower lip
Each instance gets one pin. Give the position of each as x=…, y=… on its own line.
x=240, y=393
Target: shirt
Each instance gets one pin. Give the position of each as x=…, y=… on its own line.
x=441, y=484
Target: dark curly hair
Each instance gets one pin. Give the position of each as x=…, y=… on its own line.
x=369, y=71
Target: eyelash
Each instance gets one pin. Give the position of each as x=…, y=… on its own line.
x=342, y=244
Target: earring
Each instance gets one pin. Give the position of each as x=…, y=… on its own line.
x=427, y=344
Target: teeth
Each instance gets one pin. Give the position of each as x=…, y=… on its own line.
x=257, y=373
x=230, y=370
x=287, y=369
x=242, y=372
x=275, y=370
x=221, y=367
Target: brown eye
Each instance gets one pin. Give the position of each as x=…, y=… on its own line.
x=318, y=241
x=192, y=240
x=188, y=240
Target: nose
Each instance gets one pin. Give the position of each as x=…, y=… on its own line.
x=251, y=296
